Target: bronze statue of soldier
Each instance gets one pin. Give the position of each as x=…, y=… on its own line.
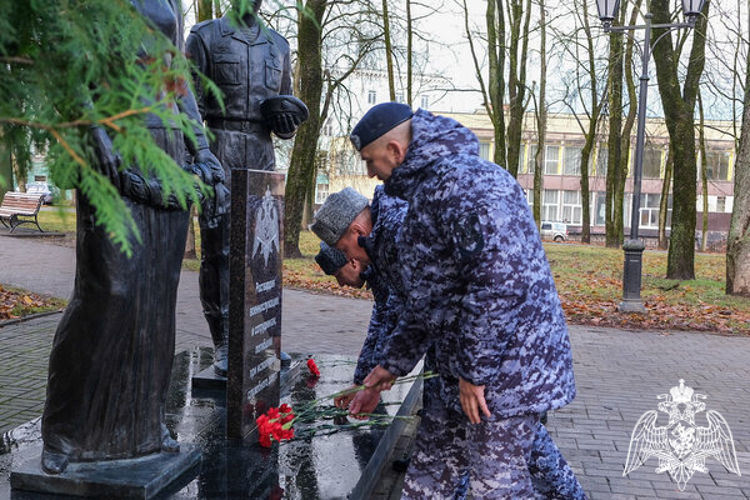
x=251, y=66
x=112, y=356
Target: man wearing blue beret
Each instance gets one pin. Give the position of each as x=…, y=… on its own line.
x=481, y=303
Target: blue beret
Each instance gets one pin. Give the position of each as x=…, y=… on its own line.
x=330, y=259
x=377, y=121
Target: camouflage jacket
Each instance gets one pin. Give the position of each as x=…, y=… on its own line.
x=387, y=215
x=479, y=291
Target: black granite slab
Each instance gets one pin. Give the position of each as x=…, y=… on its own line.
x=255, y=264
x=341, y=465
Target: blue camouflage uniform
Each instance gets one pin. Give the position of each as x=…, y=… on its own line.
x=382, y=322
x=387, y=214
x=482, y=303
x=382, y=245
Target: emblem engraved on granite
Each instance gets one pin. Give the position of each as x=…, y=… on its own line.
x=266, y=227
x=681, y=446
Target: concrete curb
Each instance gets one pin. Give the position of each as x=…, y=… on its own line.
x=23, y=319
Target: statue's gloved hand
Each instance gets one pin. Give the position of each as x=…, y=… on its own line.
x=285, y=125
x=213, y=172
x=107, y=161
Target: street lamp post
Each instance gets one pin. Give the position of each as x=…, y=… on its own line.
x=634, y=246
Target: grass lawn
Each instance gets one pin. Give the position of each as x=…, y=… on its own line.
x=57, y=219
x=588, y=278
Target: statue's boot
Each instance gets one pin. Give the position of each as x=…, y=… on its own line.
x=53, y=462
x=219, y=327
x=168, y=443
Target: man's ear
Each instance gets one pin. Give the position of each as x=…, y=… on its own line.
x=358, y=229
x=397, y=150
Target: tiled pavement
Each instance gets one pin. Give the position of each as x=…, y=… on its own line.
x=619, y=375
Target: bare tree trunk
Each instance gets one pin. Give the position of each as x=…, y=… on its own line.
x=19, y=176
x=306, y=144
x=738, y=240
x=704, y=174
x=409, y=54
x=496, y=52
x=205, y=10
x=679, y=107
x=388, y=51
x=520, y=13
x=664, y=201
x=614, y=140
x=618, y=224
x=190, y=252
x=596, y=107
x=542, y=120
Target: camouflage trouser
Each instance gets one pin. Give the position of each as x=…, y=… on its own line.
x=512, y=458
x=553, y=477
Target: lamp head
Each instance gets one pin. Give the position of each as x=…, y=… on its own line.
x=607, y=11
x=692, y=9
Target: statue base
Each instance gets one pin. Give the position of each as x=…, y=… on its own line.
x=140, y=478
x=208, y=380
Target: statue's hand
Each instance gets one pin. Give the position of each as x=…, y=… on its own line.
x=285, y=125
x=214, y=172
x=107, y=161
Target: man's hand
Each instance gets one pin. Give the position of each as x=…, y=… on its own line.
x=285, y=125
x=344, y=400
x=380, y=379
x=215, y=172
x=472, y=400
x=364, y=401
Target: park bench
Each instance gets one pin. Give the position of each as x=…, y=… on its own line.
x=20, y=208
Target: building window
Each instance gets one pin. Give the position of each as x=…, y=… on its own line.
x=484, y=150
x=721, y=204
x=425, y=102
x=600, y=207
x=372, y=97
x=552, y=160
x=328, y=128
x=321, y=190
x=572, y=211
x=529, y=196
x=649, y=210
x=651, y=163
x=399, y=97
x=601, y=161
x=549, y=209
x=531, y=158
x=717, y=166
x=572, y=160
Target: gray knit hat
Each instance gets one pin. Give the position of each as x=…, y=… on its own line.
x=330, y=259
x=337, y=213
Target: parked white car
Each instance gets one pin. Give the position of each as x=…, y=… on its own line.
x=556, y=231
x=41, y=188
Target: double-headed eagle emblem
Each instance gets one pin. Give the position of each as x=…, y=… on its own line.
x=681, y=446
x=266, y=227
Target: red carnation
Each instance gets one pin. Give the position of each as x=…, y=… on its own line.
x=273, y=413
x=285, y=408
x=264, y=438
x=313, y=367
x=287, y=418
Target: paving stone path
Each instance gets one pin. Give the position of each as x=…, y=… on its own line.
x=619, y=375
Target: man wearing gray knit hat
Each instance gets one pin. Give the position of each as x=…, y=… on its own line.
x=339, y=210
